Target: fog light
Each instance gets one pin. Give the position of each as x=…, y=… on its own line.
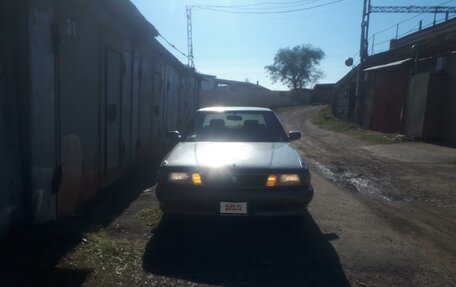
x=196, y=178
x=272, y=180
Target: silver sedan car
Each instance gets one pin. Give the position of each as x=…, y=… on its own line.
x=234, y=161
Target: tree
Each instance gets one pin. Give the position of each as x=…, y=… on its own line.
x=297, y=67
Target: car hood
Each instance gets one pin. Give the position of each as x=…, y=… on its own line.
x=234, y=154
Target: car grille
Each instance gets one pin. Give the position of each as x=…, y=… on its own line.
x=235, y=180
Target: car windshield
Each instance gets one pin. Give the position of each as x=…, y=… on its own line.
x=235, y=126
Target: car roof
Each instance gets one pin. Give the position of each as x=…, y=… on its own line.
x=225, y=109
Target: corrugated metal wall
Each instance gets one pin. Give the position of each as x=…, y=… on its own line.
x=100, y=100
x=43, y=111
x=11, y=196
x=81, y=67
x=417, y=98
x=387, y=89
x=120, y=79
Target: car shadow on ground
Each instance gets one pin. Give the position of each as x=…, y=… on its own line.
x=244, y=252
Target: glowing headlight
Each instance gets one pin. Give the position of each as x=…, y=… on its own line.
x=289, y=179
x=283, y=179
x=184, y=177
x=178, y=177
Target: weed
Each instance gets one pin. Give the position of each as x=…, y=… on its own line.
x=108, y=258
x=326, y=119
x=150, y=216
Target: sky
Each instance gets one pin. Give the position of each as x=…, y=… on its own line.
x=239, y=46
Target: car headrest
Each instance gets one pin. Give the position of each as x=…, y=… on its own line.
x=217, y=123
x=251, y=124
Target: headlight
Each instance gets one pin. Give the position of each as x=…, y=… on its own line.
x=289, y=179
x=185, y=178
x=283, y=180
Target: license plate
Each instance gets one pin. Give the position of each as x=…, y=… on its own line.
x=233, y=207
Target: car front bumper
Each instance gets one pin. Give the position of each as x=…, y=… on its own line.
x=260, y=202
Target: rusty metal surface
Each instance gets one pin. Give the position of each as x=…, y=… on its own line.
x=388, y=89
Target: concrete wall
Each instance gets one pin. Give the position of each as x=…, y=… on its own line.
x=269, y=99
x=431, y=104
x=448, y=133
x=323, y=94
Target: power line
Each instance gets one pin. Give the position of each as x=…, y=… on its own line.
x=223, y=9
x=407, y=9
x=258, y=4
x=408, y=19
x=261, y=6
x=395, y=25
x=412, y=9
x=267, y=12
x=368, y=9
x=287, y=17
x=174, y=47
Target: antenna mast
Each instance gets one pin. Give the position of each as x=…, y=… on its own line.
x=189, y=37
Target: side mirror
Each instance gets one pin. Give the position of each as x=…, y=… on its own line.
x=173, y=135
x=294, y=135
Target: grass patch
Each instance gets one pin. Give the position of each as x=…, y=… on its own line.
x=326, y=119
x=111, y=260
x=150, y=216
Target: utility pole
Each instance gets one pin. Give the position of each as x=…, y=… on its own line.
x=412, y=9
x=368, y=9
x=363, y=53
x=364, y=31
x=363, y=49
x=191, y=64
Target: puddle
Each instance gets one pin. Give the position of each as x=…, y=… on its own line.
x=352, y=180
x=326, y=172
x=364, y=186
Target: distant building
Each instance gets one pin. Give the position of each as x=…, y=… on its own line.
x=323, y=93
x=409, y=89
x=207, y=82
x=211, y=83
x=221, y=92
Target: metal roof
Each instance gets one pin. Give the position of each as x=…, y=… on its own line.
x=392, y=64
x=225, y=109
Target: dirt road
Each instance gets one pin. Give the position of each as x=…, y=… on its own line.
x=382, y=215
x=393, y=207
